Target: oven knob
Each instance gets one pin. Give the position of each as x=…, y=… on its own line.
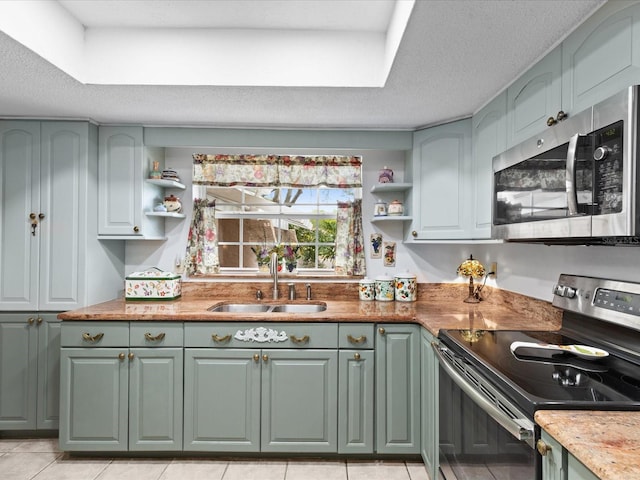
x=601, y=153
x=569, y=292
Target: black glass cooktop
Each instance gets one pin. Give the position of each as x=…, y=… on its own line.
x=536, y=378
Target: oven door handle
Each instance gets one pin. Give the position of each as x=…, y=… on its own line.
x=520, y=428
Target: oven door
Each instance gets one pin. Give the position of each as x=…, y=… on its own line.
x=481, y=433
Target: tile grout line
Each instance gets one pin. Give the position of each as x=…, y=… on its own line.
x=58, y=456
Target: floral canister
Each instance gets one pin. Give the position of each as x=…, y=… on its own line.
x=406, y=287
x=385, y=286
x=153, y=284
x=395, y=208
x=367, y=290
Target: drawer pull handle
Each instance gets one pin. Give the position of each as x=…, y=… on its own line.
x=300, y=340
x=356, y=356
x=382, y=331
x=357, y=341
x=218, y=339
x=157, y=338
x=92, y=338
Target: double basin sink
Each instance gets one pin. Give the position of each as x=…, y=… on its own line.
x=269, y=308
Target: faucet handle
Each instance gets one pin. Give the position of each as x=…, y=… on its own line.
x=308, y=285
x=292, y=291
x=259, y=294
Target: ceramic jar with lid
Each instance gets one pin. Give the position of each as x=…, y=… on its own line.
x=385, y=175
x=367, y=290
x=172, y=204
x=380, y=209
x=395, y=208
x=406, y=287
x=385, y=288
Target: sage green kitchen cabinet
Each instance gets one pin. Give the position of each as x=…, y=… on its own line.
x=355, y=403
x=429, y=394
x=279, y=397
x=117, y=398
x=577, y=471
x=222, y=391
x=442, y=195
x=299, y=408
x=534, y=97
x=356, y=377
x=124, y=195
x=29, y=371
x=489, y=139
x=48, y=198
x=600, y=58
x=398, y=389
x=554, y=458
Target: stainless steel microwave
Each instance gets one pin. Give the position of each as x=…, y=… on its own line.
x=576, y=183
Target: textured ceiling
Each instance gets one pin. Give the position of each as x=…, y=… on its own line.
x=454, y=57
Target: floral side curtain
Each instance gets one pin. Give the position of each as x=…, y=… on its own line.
x=277, y=170
x=201, y=257
x=350, y=258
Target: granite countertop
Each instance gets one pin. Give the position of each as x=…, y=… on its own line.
x=439, y=306
x=607, y=443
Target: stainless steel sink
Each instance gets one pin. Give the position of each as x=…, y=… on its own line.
x=269, y=308
x=300, y=308
x=240, y=308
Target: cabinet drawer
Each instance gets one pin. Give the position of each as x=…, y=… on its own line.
x=261, y=335
x=156, y=334
x=356, y=335
x=94, y=334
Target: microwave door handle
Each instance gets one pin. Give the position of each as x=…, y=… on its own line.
x=572, y=192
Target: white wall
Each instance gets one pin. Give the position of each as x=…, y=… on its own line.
x=527, y=269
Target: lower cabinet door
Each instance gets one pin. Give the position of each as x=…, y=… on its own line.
x=398, y=389
x=18, y=371
x=94, y=403
x=222, y=400
x=299, y=408
x=355, y=401
x=155, y=399
x=48, y=371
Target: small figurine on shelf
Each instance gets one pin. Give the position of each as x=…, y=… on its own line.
x=385, y=175
x=173, y=204
x=155, y=174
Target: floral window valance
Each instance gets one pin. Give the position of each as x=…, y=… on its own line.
x=277, y=170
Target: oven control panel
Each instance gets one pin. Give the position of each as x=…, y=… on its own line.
x=615, y=301
x=624, y=302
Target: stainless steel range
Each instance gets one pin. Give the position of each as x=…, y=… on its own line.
x=491, y=386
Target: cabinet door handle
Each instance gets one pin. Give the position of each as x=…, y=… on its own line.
x=157, y=338
x=382, y=331
x=299, y=340
x=218, y=339
x=121, y=356
x=92, y=338
x=30, y=320
x=356, y=356
x=265, y=358
x=542, y=447
x=414, y=233
x=136, y=229
x=131, y=355
x=357, y=341
x=256, y=357
x=39, y=320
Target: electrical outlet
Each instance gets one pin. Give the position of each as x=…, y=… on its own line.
x=494, y=269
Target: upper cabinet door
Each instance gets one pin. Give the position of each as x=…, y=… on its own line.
x=19, y=198
x=533, y=98
x=120, y=180
x=601, y=58
x=442, y=177
x=489, y=139
x=63, y=208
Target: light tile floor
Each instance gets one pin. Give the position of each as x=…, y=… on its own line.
x=40, y=459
